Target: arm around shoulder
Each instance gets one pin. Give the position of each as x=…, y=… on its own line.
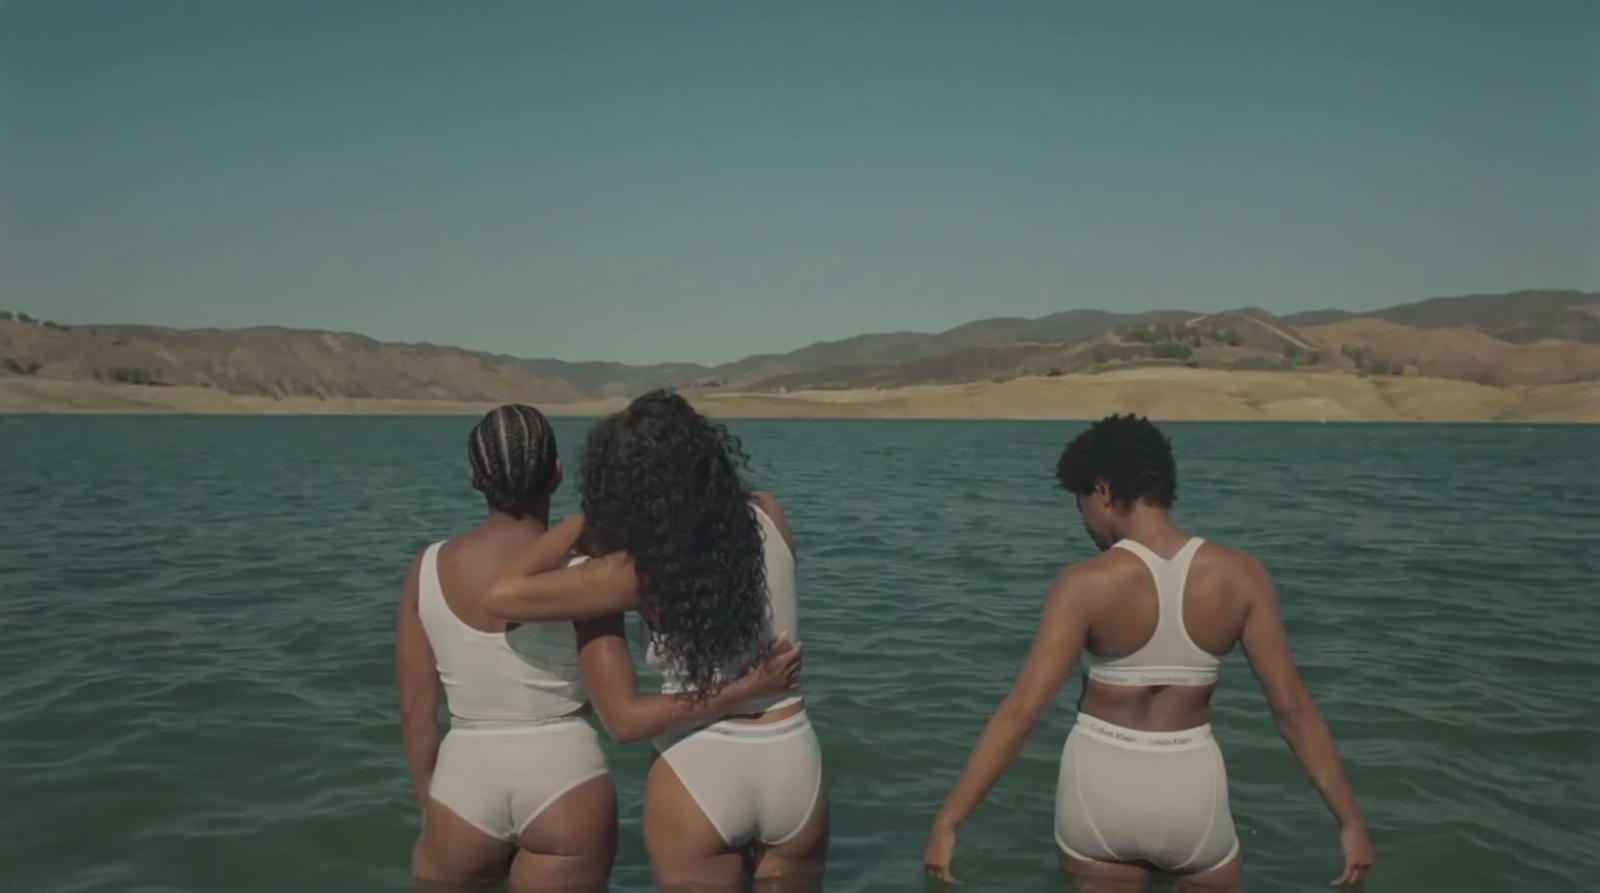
x=630, y=716
x=539, y=587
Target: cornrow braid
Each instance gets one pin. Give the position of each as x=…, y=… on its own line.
x=512, y=450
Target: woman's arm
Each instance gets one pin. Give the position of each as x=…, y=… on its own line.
x=630, y=716
x=417, y=677
x=1063, y=625
x=538, y=587
x=548, y=552
x=1266, y=646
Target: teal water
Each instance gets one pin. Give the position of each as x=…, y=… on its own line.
x=196, y=616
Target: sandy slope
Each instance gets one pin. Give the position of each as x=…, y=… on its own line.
x=269, y=361
x=1462, y=354
x=1190, y=394
x=43, y=395
x=1166, y=393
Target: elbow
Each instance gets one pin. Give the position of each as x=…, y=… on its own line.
x=623, y=731
x=501, y=598
x=1017, y=721
x=628, y=736
x=1294, y=714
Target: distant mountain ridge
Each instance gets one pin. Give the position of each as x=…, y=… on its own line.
x=1523, y=337
x=1523, y=317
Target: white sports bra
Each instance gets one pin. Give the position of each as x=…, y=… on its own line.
x=1170, y=657
x=782, y=617
x=526, y=675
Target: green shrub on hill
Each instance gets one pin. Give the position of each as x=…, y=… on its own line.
x=134, y=375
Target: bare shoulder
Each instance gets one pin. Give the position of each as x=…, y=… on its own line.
x=770, y=506
x=1239, y=569
x=413, y=578
x=768, y=502
x=1230, y=556
x=1110, y=569
x=1090, y=581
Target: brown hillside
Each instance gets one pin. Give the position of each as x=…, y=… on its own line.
x=1524, y=317
x=1493, y=339
x=1378, y=347
x=1235, y=341
x=974, y=364
x=272, y=362
x=1527, y=317
x=1238, y=342
x=828, y=359
x=1258, y=330
x=1222, y=341
x=1218, y=341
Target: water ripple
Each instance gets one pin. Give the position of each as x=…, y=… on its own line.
x=198, y=612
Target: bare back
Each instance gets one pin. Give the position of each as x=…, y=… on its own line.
x=468, y=564
x=1125, y=609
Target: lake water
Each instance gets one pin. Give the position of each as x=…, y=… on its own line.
x=196, y=616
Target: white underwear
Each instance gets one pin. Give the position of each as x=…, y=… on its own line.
x=1156, y=797
x=754, y=782
x=500, y=778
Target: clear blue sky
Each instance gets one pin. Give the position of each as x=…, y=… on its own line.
x=700, y=181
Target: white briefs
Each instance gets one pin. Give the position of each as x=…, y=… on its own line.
x=753, y=781
x=500, y=778
x=1130, y=796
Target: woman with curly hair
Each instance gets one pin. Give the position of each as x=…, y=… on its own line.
x=670, y=530
x=518, y=787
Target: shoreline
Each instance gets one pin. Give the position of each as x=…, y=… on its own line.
x=1163, y=394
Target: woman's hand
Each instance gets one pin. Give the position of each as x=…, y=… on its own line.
x=778, y=669
x=940, y=850
x=541, y=585
x=1357, y=847
x=570, y=528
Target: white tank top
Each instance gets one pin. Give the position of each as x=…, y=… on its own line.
x=1170, y=657
x=526, y=675
x=782, y=617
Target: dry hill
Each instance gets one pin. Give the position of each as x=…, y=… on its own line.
x=1376, y=347
x=1487, y=340
x=1523, y=317
x=885, y=350
x=1520, y=317
x=1235, y=342
x=273, y=362
x=1222, y=341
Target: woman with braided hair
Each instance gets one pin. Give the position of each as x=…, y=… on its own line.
x=518, y=788
x=670, y=530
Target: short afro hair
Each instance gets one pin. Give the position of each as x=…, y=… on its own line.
x=1129, y=454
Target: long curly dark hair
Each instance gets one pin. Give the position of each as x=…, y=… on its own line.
x=661, y=483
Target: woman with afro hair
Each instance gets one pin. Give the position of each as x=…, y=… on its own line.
x=1142, y=789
